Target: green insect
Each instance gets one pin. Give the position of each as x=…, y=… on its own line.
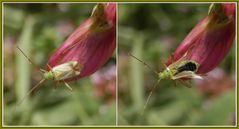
x=58, y=73
x=181, y=69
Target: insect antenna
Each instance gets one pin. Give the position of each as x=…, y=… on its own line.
x=29, y=92
x=41, y=70
x=150, y=94
x=149, y=67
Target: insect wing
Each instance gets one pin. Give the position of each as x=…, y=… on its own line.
x=66, y=70
x=186, y=74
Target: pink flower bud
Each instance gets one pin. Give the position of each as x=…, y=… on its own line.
x=210, y=40
x=91, y=44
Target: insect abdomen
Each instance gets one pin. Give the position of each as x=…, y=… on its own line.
x=190, y=66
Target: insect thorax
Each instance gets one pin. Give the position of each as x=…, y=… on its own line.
x=166, y=74
x=48, y=75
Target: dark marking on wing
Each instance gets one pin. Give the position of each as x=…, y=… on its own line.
x=190, y=66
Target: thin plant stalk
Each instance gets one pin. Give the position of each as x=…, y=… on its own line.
x=23, y=69
x=136, y=75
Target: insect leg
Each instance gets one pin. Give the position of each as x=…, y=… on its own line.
x=176, y=63
x=49, y=66
x=68, y=86
x=57, y=84
x=185, y=83
x=175, y=83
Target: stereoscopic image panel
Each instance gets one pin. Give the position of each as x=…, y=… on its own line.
x=59, y=64
x=119, y=64
x=176, y=64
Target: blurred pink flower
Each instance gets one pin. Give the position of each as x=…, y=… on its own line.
x=105, y=83
x=91, y=44
x=215, y=83
x=210, y=40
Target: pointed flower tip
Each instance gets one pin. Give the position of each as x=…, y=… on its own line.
x=230, y=10
x=103, y=17
x=220, y=15
x=110, y=12
x=222, y=10
x=215, y=8
x=98, y=10
x=226, y=8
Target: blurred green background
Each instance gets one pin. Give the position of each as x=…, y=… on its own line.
x=151, y=32
x=39, y=29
